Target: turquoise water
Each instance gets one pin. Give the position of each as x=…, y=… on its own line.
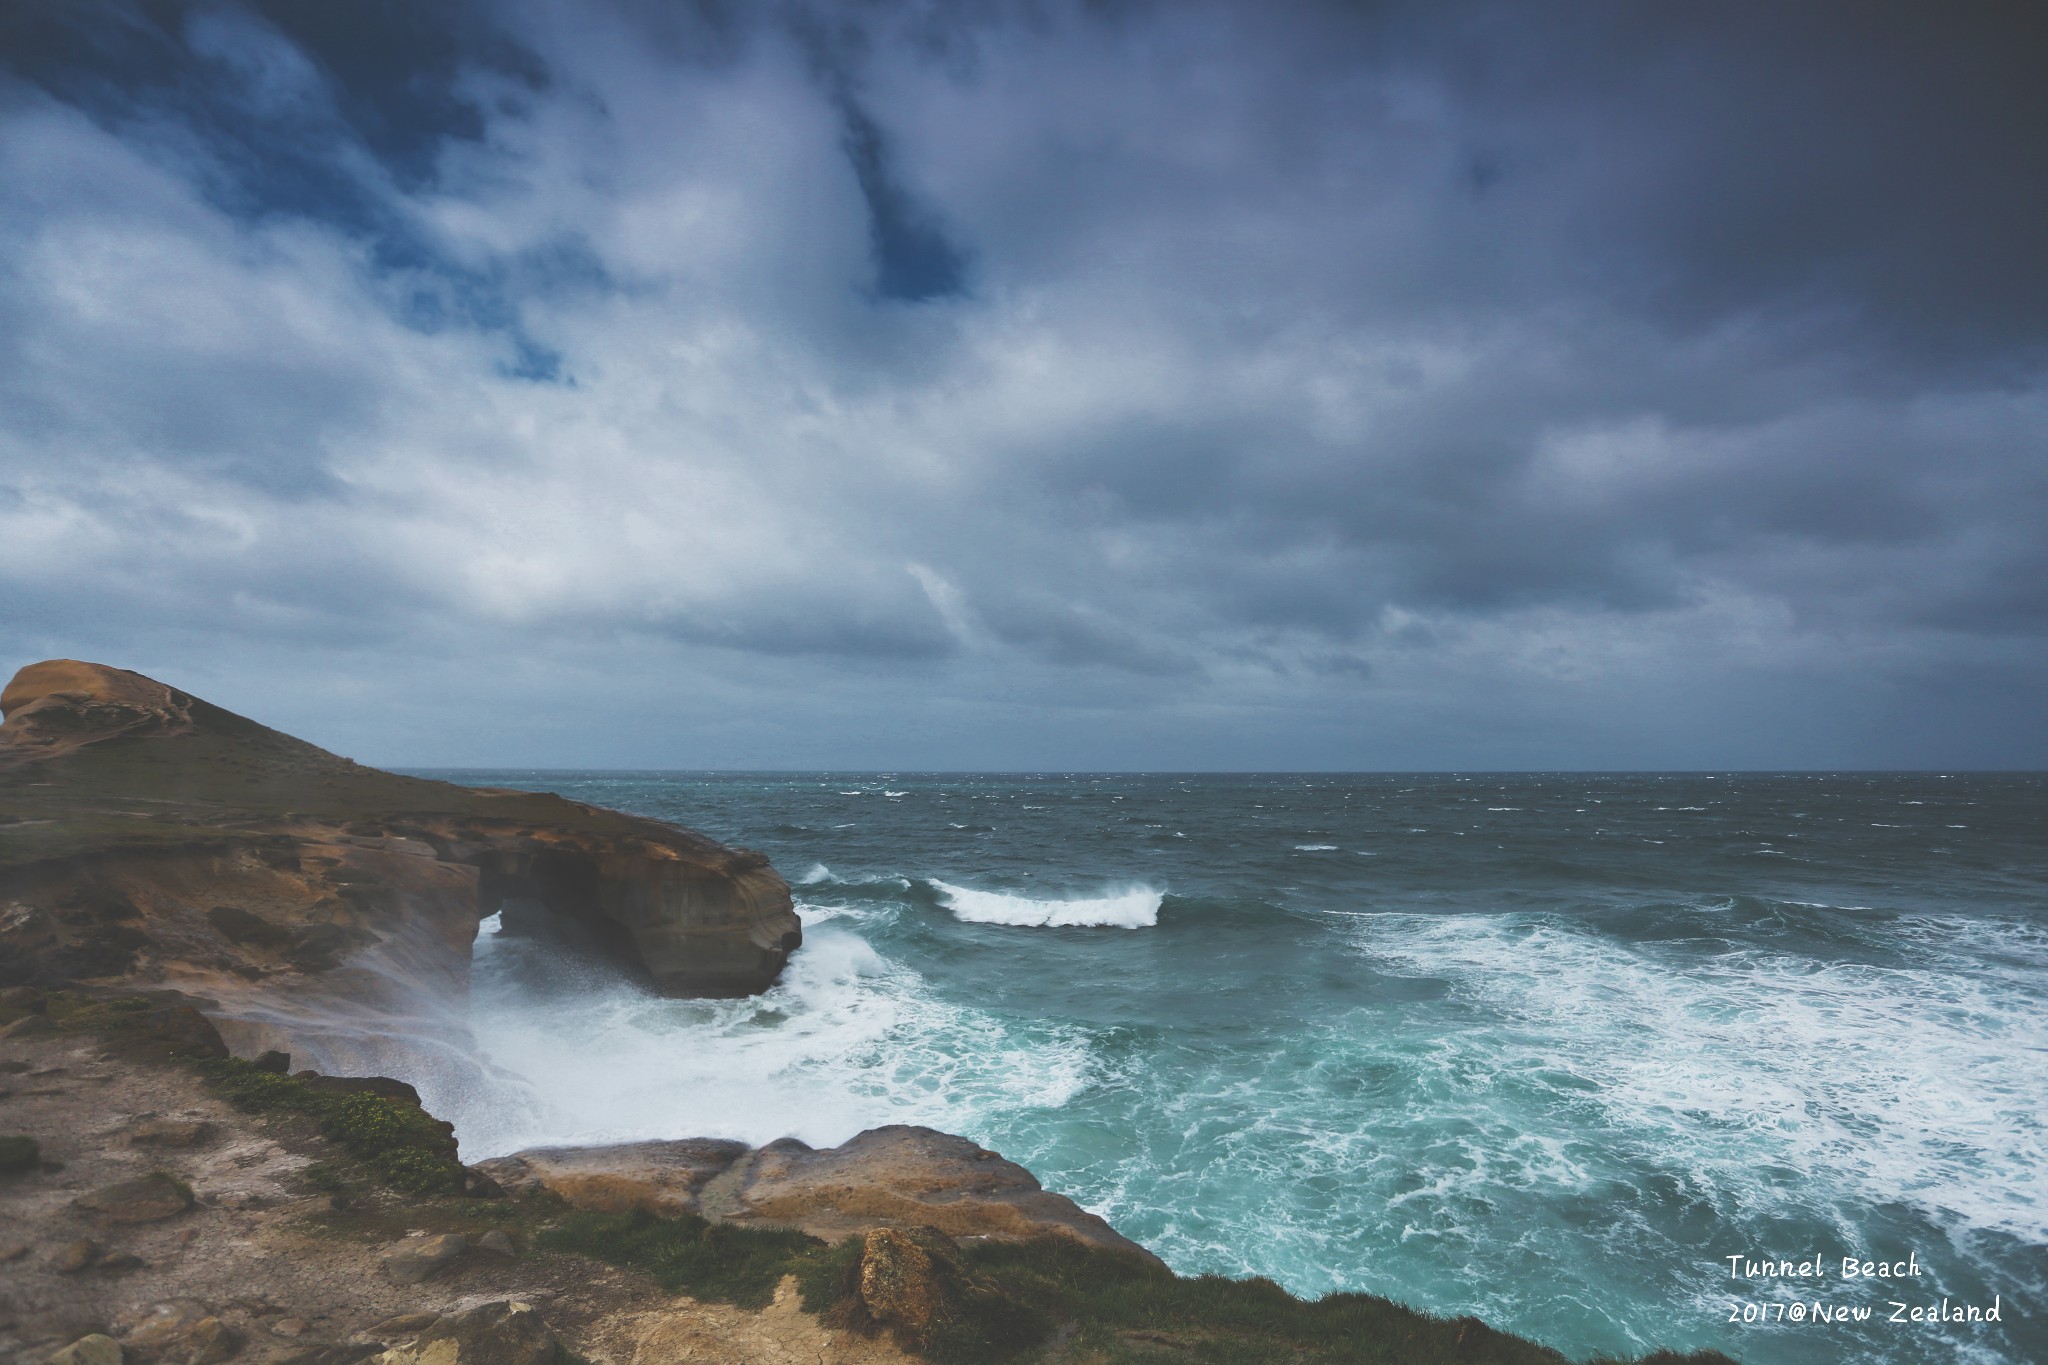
x=1546, y=1049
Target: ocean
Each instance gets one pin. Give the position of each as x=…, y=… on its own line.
x=1548, y=1049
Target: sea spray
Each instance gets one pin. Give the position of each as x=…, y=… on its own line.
x=1560, y=1043
x=1135, y=908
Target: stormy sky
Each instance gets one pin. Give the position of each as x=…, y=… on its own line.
x=1040, y=385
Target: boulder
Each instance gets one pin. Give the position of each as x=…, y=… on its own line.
x=418, y=1258
x=96, y=1349
x=188, y=1032
x=900, y=1177
x=19, y=1154
x=910, y=1282
x=75, y=1256
x=209, y=1342
x=658, y=1177
x=147, y=1199
x=170, y=1133
x=165, y=1323
x=502, y=1333
x=894, y=1177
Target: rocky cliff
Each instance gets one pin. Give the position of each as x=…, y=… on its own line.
x=149, y=835
x=162, y=1204
x=179, y=868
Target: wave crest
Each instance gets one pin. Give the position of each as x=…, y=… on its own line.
x=1135, y=908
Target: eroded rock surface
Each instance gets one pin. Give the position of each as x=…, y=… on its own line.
x=150, y=837
x=893, y=1177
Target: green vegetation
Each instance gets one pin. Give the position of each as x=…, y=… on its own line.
x=394, y=1143
x=230, y=778
x=1105, y=1307
x=712, y=1262
x=1005, y=1304
x=400, y=1144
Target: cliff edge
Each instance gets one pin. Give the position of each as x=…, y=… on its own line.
x=150, y=836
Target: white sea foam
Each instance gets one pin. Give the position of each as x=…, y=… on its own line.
x=1897, y=1082
x=1315, y=848
x=1134, y=908
x=846, y=1040
x=818, y=873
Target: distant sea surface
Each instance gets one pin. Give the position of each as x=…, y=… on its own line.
x=1546, y=1049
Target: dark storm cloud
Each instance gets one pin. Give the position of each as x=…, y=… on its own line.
x=293, y=108
x=1340, y=377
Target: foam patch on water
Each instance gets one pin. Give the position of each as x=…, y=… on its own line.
x=846, y=1040
x=1897, y=1082
x=1136, y=908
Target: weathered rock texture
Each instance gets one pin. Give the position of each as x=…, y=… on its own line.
x=257, y=1273
x=893, y=1177
x=150, y=836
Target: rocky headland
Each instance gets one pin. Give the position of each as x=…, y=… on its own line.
x=226, y=958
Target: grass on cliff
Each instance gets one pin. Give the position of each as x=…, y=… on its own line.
x=396, y=1144
x=400, y=1144
x=712, y=1262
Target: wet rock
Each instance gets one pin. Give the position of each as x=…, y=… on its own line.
x=209, y=1342
x=170, y=1133
x=914, y=1283
x=149, y=1199
x=19, y=1154
x=503, y=1333
x=188, y=1032
x=498, y=1242
x=237, y=925
x=275, y=1062
x=658, y=1177
x=404, y=1325
x=119, y=1261
x=480, y=1185
x=911, y=1282
x=12, y=1251
x=417, y=1258
x=165, y=1323
x=96, y=1349
x=332, y=1353
x=24, y=998
x=75, y=1256
x=291, y=1327
x=898, y=1176
x=29, y=1026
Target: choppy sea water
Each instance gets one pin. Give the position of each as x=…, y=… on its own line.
x=1543, y=1048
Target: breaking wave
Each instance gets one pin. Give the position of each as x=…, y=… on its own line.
x=1136, y=908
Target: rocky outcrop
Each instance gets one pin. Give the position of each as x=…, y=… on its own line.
x=894, y=1177
x=150, y=836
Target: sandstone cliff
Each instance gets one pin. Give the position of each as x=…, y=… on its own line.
x=148, y=836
